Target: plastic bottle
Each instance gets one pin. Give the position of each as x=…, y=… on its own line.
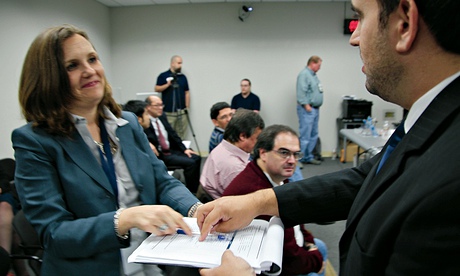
x=385, y=129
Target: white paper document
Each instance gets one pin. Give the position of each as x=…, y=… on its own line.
x=260, y=244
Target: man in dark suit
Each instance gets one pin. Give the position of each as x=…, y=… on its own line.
x=403, y=213
x=169, y=145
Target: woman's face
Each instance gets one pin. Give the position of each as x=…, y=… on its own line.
x=85, y=71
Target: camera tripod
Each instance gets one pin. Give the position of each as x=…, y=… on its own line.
x=175, y=95
x=193, y=133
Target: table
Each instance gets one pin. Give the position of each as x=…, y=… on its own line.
x=345, y=123
x=371, y=144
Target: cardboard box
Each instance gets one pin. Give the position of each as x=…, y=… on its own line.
x=352, y=150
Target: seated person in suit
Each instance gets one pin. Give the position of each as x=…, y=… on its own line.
x=221, y=114
x=139, y=108
x=230, y=157
x=169, y=145
x=275, y=156
x=246, y=99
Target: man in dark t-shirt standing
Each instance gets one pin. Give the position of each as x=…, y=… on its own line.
x=173, y=86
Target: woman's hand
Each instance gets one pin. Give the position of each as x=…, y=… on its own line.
x=156, y=219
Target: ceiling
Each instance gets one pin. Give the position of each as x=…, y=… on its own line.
x=125, y=3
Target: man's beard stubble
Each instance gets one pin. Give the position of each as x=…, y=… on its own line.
x=383, y=78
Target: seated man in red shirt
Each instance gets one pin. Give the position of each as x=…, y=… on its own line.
x=275, y=156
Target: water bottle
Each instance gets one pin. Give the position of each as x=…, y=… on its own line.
x=385, y=129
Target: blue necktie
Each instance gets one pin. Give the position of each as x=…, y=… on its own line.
x=107, y=159
x=394, y=140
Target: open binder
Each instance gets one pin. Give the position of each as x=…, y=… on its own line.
x=260, y=244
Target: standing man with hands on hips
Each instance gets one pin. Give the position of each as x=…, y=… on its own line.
x=173, y=86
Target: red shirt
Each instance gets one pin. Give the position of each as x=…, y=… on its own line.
x=296, y=260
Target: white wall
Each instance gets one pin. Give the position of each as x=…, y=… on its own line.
x=218, y=50
x=136, y=44
x=20, y=22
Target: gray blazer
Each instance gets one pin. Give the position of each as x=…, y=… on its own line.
x=405, y=220
x=67, y=197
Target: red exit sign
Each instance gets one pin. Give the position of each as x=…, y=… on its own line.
x=350, y=25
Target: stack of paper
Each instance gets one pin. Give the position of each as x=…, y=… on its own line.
x=260, y=244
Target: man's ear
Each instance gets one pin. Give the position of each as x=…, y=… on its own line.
x=140, y=120
x=214, y=121
x=263, y=154
x=407, y=25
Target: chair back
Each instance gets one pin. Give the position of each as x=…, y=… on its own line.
x=202, y=195
x=7, y=167
x=30, y=242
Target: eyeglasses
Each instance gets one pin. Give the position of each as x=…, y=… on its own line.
x=285, y=154
x=158, y=105
x=226, y=116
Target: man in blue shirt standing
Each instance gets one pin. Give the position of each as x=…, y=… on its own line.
x=309, y=99
x=173, y=86
x=246, y=99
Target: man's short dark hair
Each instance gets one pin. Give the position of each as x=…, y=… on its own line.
x=247, y=81
x=243, y=122
x=441, y=17
x=266, y=139
x=216, y=108
x=135, y=106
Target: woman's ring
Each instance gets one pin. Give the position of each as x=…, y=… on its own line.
x=163, y=227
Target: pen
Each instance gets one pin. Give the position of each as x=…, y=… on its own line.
x=220, y=237
x=180, y=231
x=231, y=241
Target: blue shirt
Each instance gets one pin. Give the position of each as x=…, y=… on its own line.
x=251, y=102
x=216, y=137
x=173, y=100
x=309, y=88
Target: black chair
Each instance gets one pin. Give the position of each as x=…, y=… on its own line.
x=7, y=167
x=30, y=243
x=30, y=248
x=202, y=195
x=177, y=172
x=4, y=261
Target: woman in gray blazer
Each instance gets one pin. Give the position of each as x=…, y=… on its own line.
x=85, y=172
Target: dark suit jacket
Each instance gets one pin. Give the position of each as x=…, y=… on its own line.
x=404, y=220
x=67, y=197
x=175, y=142
x=296, y=260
